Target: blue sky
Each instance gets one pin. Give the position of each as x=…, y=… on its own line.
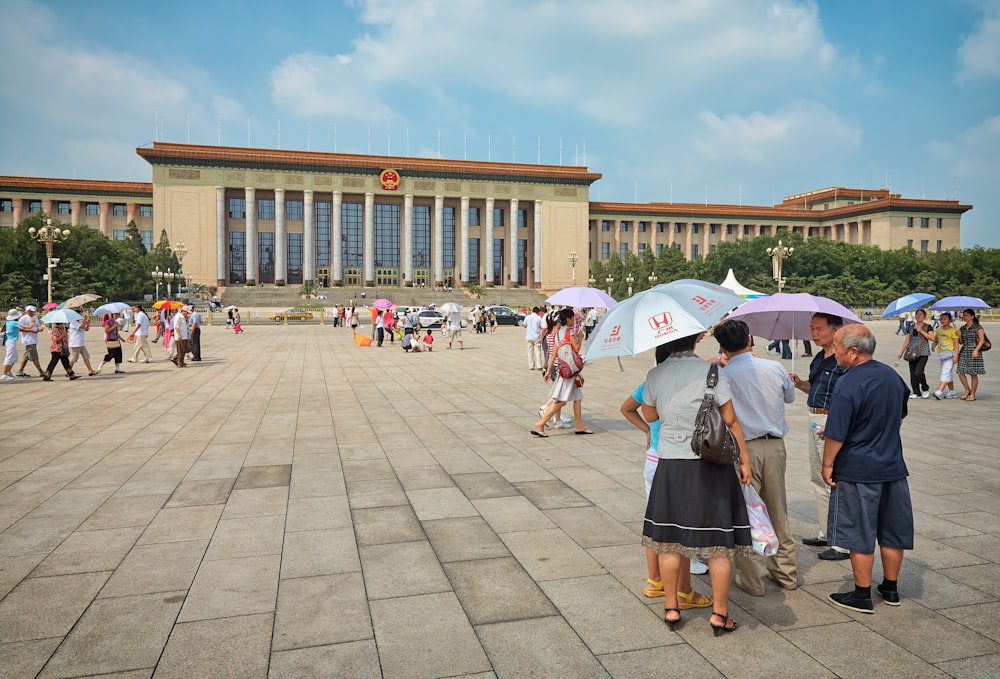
x=668, y=99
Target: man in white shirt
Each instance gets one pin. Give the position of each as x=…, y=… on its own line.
x=760, y=389
x=591, y=321
x=30, y=327
x=140, y=333
x=455, y=329
x=533, y=324
x=181, y=337
x=78, y=341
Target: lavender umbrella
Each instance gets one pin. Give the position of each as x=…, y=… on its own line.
x=788, y=315
x=582, y=297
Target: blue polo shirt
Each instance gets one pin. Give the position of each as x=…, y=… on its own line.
x=866, y=410
x=13, y=329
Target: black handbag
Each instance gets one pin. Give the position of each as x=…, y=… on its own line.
x=712, y=440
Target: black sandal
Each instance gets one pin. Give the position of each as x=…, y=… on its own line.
x=671, y=623
x=725, y=626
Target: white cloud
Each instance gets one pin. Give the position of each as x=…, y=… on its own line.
x=979, y=53
x=759, y=137
x=618, y=63
x=972, y=154
x=92, y=94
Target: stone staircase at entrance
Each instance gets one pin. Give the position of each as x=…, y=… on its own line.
x=268, y=296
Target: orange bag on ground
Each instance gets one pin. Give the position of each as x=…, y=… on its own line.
x=363, y=340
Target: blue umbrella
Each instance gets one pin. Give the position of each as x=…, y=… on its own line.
x=61, y=316
x=960, y=302
x=907, y=303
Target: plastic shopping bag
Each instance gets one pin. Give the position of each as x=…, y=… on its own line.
x=765, y=542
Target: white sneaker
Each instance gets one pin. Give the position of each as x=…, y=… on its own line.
x=565, y=425
x=698, y=567
x=914, y=396
x=8, y=376
x=938, y=395
x=951, y=394
x=926, y=393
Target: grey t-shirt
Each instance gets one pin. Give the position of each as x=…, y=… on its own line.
x=676, y=388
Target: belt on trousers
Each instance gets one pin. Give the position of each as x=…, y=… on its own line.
x=765, y=436
x=819, y=411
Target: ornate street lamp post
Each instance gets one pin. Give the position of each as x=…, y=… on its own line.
x=591, y=281
x=49, y=235
x=778, y=255
x=179, y=252
x=652, y=279
x=609, y=280
x=157, y=276
x=630, y=281
x=169, y=278
x=573, y=259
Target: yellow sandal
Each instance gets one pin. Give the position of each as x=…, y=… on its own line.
x=693, y=600
x=654, y=588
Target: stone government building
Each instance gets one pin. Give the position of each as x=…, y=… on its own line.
x=272, y=217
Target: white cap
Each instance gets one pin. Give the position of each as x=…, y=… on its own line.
x=30, y=308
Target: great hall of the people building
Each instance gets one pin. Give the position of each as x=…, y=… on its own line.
x=273, y=217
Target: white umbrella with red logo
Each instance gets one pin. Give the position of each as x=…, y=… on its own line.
x=661, y=314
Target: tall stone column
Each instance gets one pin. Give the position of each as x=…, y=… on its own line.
x=369, y=239
x=488, y=243
x=537, y=282
x=251, y=235
x=438, y=236
x=220, y=236
x=74, y=213
x=103, y=219
x=18, y=207
x=280, y=238
x=408, y=238
x=130, y=212
x=462, y=246
x=337, y=237
x=512, y=243
x=309, y=237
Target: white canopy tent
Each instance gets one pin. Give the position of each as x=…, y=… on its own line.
x=732, y=284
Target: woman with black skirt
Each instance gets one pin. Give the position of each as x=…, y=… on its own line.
x=696, y=509
x=113, y=343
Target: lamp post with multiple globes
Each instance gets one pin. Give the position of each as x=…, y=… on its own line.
x=49, y=235
x=630, y=280
x=573, y=259
x=609, y=280
x=652, y=279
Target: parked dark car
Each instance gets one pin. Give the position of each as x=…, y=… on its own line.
x=506, y=316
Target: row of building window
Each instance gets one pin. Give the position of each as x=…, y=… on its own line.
x=925, y=222
x=294, y=210
x=64, y=207
x=623, y=249
x=924, y=245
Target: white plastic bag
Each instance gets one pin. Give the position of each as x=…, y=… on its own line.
x=765, y=542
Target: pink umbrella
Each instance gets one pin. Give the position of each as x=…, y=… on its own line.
x=50, y=305
x=382, y=303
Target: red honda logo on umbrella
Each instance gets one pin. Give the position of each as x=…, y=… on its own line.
x=660, y=320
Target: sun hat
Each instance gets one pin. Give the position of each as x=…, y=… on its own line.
x=12, y=315
x=30, y=308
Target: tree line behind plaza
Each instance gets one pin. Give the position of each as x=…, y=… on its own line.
x=854, y=275
x=89, y=261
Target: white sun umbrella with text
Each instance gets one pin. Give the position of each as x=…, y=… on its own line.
x=661, y=314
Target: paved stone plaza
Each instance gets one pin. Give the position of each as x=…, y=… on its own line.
x=295, y=506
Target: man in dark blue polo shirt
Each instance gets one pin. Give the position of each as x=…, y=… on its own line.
x=823, y=375
x=863, y=464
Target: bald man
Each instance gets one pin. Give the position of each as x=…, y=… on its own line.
x=863, y=464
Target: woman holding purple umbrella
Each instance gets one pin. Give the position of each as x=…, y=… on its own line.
x=970, y=356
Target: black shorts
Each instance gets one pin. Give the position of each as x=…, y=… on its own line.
x=861, y=513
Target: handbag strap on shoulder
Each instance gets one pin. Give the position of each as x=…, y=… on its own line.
x=713, y=376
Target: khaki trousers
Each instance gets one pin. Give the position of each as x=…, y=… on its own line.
x=535, y=355
x=142, y=344
x=767, y=468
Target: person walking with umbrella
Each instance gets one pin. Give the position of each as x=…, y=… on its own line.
x=78, y=341
x=140, y=335
x=113, y=343
x=946, y=340
x=970, y=356
x=916, y=350
x=59, y=351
